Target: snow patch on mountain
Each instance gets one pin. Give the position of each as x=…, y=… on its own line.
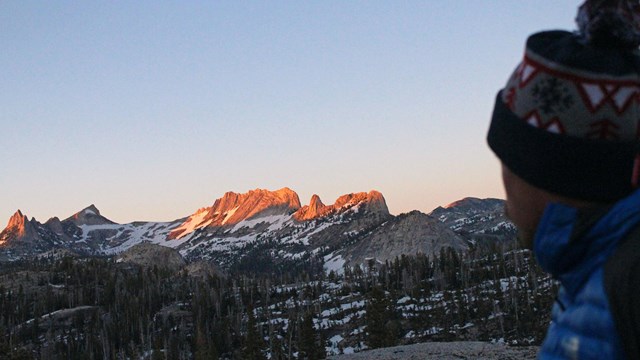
x=229, y=214
x=275, y=222
x=334, y=263
x=194, y=222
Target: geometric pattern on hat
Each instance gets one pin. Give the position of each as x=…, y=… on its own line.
x=553, y=126
x=596, y=94
x=565, y=101
x=527, y=71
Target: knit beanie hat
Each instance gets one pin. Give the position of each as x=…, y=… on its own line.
x=568, y=119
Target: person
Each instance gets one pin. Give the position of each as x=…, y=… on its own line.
x=566, y=129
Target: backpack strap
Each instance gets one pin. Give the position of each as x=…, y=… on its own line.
x=622, y=285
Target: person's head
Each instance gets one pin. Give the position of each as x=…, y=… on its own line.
x=525, y=204
x=566, y=125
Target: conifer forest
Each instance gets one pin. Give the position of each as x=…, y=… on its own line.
x=98, y=308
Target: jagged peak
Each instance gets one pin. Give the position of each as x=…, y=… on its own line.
x=315, y=202
x=18, y=219
x=89, y=216
x=18, y=227
x=315, y=209
x=91, y=209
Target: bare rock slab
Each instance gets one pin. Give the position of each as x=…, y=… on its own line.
x=447, y=351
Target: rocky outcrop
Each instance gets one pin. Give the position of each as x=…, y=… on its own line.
x=372, y=201
x=89, y=216
x=150, y=255
x=314, y=210
x=406, y=234
x=454, y=350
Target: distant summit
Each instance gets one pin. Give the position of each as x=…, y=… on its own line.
x=88, y=216
x=474, y=203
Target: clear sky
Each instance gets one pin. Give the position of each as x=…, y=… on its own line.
x=153, y=109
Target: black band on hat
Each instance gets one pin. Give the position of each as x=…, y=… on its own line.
x=586, y=169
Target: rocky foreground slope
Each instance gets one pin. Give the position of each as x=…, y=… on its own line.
x=446, y=351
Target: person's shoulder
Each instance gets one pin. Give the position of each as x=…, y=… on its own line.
x=622, y=285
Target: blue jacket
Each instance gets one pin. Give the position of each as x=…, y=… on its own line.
x=582, y=326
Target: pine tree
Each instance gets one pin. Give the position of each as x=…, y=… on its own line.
x=309, y=345
x=205, y=348
x=252, y=345
x=377, y=317
x=276, y=349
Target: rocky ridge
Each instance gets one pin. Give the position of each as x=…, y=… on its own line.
x=356, y=228
x=316, y=208
x=482, y=222
x=233, y=208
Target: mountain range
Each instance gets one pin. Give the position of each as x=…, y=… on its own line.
x=272, y=226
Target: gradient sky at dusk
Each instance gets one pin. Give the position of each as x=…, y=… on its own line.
x=153, y=109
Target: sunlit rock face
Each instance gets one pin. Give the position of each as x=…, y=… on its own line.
x=233, y=208
x=18, y=223
x=18, y=228
x=373, y=201
x=315, y=209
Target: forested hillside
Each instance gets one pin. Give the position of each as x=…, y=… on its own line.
x=95, y=308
